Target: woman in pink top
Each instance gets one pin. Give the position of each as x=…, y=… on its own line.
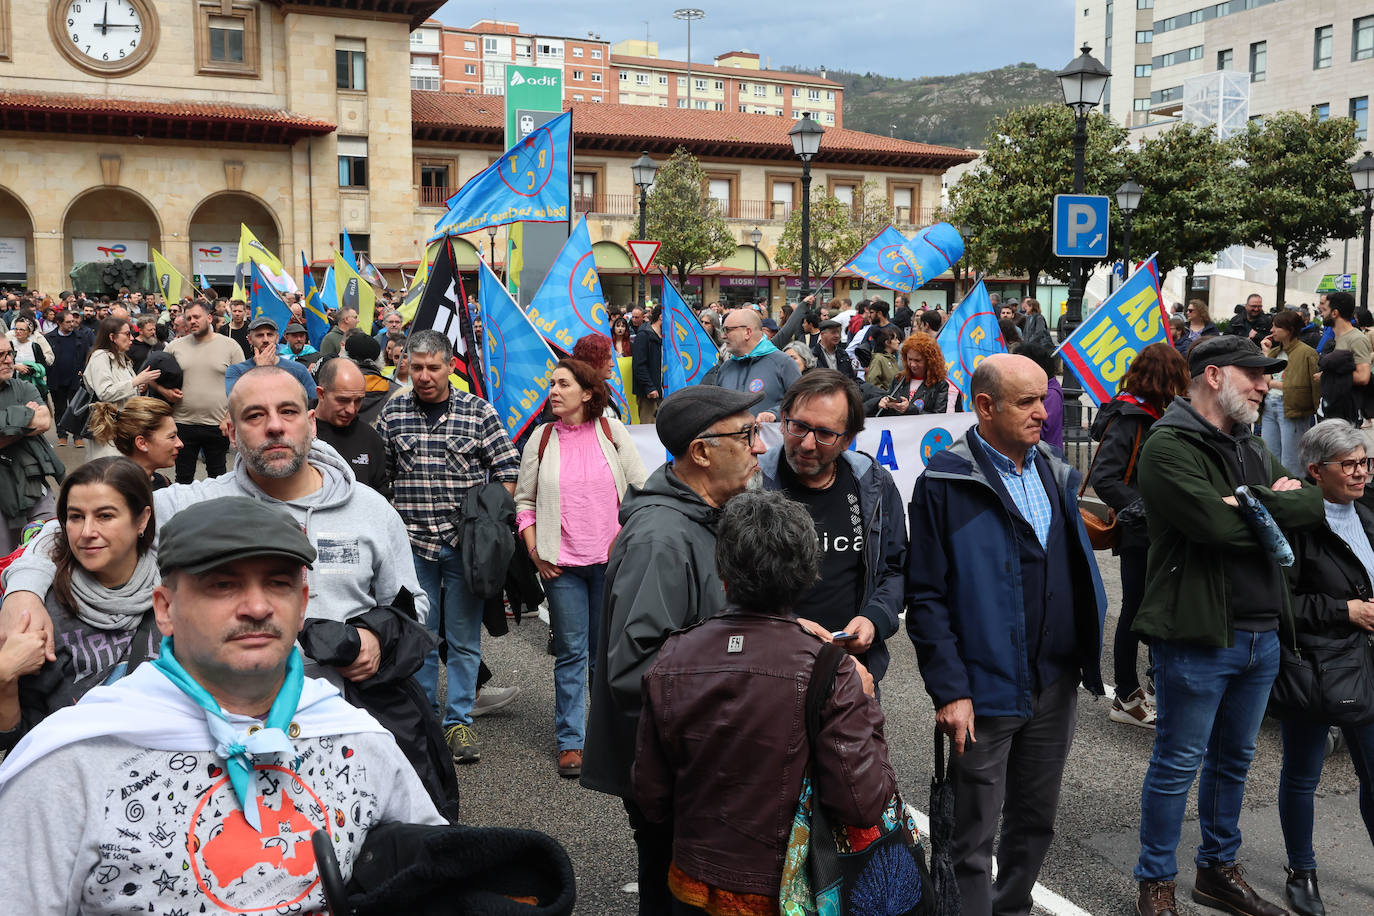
x=572, y=477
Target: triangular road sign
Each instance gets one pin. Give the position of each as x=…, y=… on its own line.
x=643, y=252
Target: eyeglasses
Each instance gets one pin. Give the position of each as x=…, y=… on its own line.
x=732, y=327
x=1350, y=465
x=6, y=354
x=798, y=430
x=748, y=434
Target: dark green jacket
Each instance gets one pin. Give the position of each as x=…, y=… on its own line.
x=25, y=464
x=1183, y=478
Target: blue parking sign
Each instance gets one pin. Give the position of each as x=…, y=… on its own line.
x=1080, y=225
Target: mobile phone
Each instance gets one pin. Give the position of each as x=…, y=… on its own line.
x=841, y=636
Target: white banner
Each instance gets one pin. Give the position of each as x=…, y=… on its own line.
x=900, y=444
x=109, y=250
x=214, y=259
x=12, y=255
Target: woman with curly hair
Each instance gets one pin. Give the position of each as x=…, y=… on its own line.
x=142, y=430
x=921, y=386
x=1156, y=376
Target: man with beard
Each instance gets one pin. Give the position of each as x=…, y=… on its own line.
x=1215, y=603
x=200, y=404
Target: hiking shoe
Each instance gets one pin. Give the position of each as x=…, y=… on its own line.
x=1135, y=711
x=1223, y=887
x=61, y=440
x=79, y=444
x=570, y=763
x=1156, y=898
x=490, y=699
x=462, y=740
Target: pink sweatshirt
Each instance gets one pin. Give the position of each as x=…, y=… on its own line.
x=589, y=507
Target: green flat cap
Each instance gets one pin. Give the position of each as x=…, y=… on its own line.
x=219, y=531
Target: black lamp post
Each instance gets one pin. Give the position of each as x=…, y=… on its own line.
x=755, y=236
x=644, y=171
x=1128, y=201
x=806, y=140
x=491, y=247
x=1083, y=81
x=1362, y=173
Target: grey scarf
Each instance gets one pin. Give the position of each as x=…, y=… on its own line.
x=116, y=608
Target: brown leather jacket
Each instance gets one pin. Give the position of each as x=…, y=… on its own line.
x=722, y=747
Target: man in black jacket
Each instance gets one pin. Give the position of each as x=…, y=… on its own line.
x=70, y=347
x=647, y=351
x=829, y=353
x=1252, y=321
x=341, y=390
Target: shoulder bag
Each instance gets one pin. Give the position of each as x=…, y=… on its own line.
x=1328, y=680
x=1105, y=534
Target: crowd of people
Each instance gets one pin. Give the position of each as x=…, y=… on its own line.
x=378, y=517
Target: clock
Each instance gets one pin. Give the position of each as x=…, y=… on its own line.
x=104, y=37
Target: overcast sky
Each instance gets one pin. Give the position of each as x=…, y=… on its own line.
x=901, y=39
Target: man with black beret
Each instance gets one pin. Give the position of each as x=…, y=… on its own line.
x=220, y=741
x=661, y=577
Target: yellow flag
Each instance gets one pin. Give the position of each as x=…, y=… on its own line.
x=250, y=249
x=354, y=292
x=417, y=283
x=169, y=279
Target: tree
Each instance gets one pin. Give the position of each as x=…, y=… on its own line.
x=1189, y=208
x=838, y=230
x=1296, y=193
x=1006, y=204
x=684, y=218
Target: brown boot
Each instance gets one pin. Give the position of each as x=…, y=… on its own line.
x=1156, y=899
x=1223, y=887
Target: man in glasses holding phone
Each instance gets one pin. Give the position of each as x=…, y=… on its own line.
x=857, y=511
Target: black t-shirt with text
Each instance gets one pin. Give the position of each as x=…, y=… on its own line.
x=834, y=600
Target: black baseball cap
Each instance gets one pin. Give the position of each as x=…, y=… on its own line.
x=1230, y=350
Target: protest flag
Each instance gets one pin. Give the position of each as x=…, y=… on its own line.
x=443, y=308
x=329, y=295
x=371, y=274
x=253, y=251
x=688, y=351
x=970, y=335
x=264, y=301
x=416, y=288
x=518, y=362
x=312, y=304
x=1101, y=349
x=352, y=292
x=531, y=182
x=169, y=279
x=204, y=283
x=889, y=259
x=349, y=254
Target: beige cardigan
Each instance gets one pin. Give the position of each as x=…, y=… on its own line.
x=537, y=487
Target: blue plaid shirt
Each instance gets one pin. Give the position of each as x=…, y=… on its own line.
x=1026, y=488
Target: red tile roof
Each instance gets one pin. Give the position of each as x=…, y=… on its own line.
x=180, y=120
x=450, y=117
x=741, y=73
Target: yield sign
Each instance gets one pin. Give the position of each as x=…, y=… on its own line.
x=643, y=253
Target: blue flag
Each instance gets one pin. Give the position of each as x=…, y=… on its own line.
x=970, y=335
x=688, y=351
x=265, y=301
x=347, y=251
x=530, y=183
x=936, y=248
x=519, y=363
x=1101, y=349
x=328, y=294
x=204, y=283
x=890, y=260
x=312, y=304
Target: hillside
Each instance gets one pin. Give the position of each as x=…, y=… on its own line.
x=950, y=110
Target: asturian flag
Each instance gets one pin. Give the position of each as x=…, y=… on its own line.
x=688, y=351
x=519, y=363
x=970, y=335
x=531, y=182
x=1101, y=349
x=312, y=304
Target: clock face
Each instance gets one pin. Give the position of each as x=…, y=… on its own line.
x=104, y=31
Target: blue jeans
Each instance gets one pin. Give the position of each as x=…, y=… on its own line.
x=574, y=608
x=1210, y=704
x=1281, y=436
x=1304, y=749
x=462, y=632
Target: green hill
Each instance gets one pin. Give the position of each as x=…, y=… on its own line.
x=950, y=110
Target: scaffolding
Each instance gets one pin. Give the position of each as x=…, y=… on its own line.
x=1220, y=99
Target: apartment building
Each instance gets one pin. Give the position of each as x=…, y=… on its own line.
x=473, y=60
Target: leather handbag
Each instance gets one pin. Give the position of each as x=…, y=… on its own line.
x=1105, y=534
x=78, y=412
x=1327, y=680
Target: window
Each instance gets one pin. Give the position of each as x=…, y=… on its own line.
x=682, y=82
x=1142, y=70
x=777, y=90
x=1259, y=61
x=426, y=80
x=743, y=88
x=901, y=206
x=596, y=78
x=813, y=95
x=721, y=191
x=577, y=96
x=760, y=91
x=226, y=41
x=720, y=106
x=434, y=183
x=597, y=98
x=624, y=77
x=720, y=84
x=550, y=50
x=352, y=162
x=1225, y=59
x=1362, y=38
x=596, y=54
x=699, y=104
x=489, y=45
x=362, y=242
x=1359, y=110
x=681, y=103
x=1172, y=94
x=1183, y=55
x=1144, y=37
x=469, y=46
x=350, y=64
x=1144, y=4
x=699, y=85
x=577, y=52
x=744, y=109
x=578, y=75
x=642, y=79
x=830, y=117
x=776, y=111
x=829, y=96
x=470, y=69
x=584, y=191
x=1321, y=48
x=1322, y=111
x=662, y=80
x=1142, y=104
x=796, y=92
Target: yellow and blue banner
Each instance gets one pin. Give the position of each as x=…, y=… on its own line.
x=891, y=260
x=416, y=288
x=264, y=301
x=312, y=304
x=688, y=351
x=169, y=279
x=519, y=363
x=970, y=335
x=531, y=182
x=254, y=252
x=1101, y=349
x=351, y=291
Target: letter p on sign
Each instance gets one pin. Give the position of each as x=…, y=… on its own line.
x=1080, y=226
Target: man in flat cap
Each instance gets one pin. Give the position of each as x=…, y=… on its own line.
x=200, y=777
x=1215, y=600
x=661, y=577
x=829, y=353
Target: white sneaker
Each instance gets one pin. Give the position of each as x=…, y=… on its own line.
x=490, y=699
x=1134, y=711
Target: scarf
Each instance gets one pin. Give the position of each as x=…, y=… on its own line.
x=763, y=348
x=115, y=608
x=238, y=748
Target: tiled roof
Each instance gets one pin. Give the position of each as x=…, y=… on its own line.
x=740, y=73
x=194, y=120
x=469, y=118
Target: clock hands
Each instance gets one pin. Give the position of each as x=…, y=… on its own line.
x=105, y=19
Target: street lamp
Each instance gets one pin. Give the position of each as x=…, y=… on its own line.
x=644, y=171
x=689, y=15
x=1083, y=81
x=806, y=140
x=1362, y=173
x=491, y=247
x=1128, y=201
x=755, y=236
